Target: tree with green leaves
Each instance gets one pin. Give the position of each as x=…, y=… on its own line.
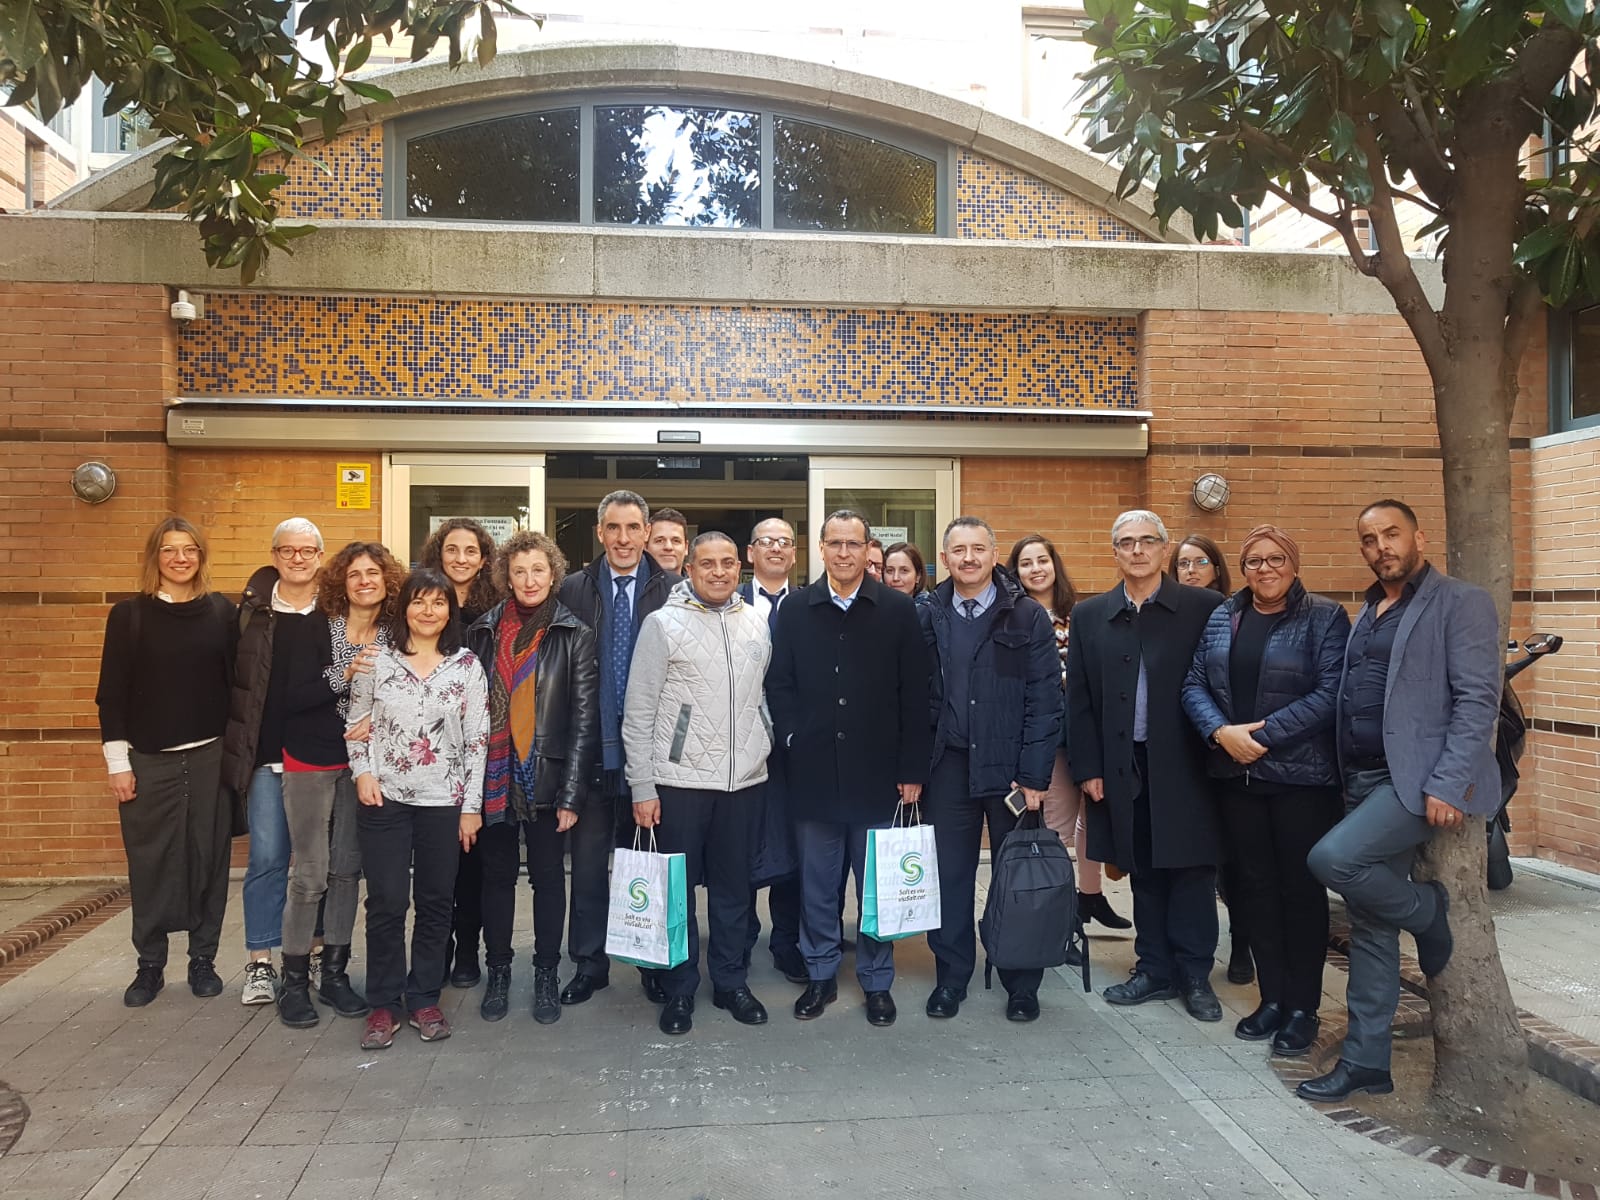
x=230, y=81
x=1479, y=112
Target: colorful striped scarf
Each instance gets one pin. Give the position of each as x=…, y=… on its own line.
x=513, y=686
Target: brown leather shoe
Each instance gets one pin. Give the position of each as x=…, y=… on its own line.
x=380, y=1030
x=430, y=1024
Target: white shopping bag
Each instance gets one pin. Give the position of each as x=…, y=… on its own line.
x=647, y=924
x=900, y=895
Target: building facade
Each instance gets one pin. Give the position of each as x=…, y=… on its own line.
x=741, y=284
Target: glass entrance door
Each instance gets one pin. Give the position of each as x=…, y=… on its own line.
x=502, y=492
x=905, y=499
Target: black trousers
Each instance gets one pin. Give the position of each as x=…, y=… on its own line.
x=1174, y=908
x=176, y=835
x=783, y=906
x=409, y=854
x=712, y=831
x=500, y=848
x=468, y=919
x=590, y=842
x=1270, y=832
x=958, y=819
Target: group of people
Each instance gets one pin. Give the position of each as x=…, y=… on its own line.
x=434, y=729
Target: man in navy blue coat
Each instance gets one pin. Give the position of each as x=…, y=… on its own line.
x=995, y=709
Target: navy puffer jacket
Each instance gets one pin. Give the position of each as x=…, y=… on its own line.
x=1298, y=690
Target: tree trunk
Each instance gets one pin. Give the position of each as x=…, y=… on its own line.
x=1481, y=1056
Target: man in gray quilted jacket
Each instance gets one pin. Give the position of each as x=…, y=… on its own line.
x=697, y=738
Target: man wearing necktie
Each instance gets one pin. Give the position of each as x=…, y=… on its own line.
x=612, y=595
x=996, y=711
x=771, y=555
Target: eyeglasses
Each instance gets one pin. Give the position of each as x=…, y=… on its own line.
x=180, y=552
x=1192, y=564
x=1148, y=542
x=1255, y=562
x=304, y=553
x=850, y=547
x=780, y=543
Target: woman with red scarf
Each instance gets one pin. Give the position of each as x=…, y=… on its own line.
x=544, y=704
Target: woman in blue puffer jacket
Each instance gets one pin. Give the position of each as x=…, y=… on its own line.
x=1262, y=691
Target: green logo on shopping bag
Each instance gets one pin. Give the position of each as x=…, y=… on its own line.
x=911, y=868
x=638, y=896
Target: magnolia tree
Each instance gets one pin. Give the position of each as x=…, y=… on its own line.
x=229, y=81
x=1479, y=113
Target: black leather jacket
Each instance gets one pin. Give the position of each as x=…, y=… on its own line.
x=567, y=699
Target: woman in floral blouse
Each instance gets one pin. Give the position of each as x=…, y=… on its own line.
x=419, y=778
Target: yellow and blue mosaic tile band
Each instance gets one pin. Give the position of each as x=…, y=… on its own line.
x=529, y=351
x=332, y=181
x=999, y=202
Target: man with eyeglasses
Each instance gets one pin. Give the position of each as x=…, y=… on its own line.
x=771, y=555
x=848, y=691
x=252, y=747
x=995, y=706
x=1142, y=766
x=613, y=595
x=1418, y=704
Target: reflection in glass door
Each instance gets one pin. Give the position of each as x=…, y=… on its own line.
x=421, y=491
x=904, y=499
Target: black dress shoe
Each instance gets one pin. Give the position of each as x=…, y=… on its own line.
x=1140, y=989
x=1298, y=1035
x=1201, y=1001
x=678, y=1016
x=1435, y=944
x=792, y=967
x=203, y=978
x=1093, y=906
x=582, y=987
x=945, y=1002
x=741, y=1005
x=147, y=983
x=1261, y=1024
x=654, y=990
x=1344, y=1081
x=818, y=995
x=1024, y=1006
x=880, y=1008
x=1241, y=966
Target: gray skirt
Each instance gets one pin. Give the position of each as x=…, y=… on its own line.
x=177, y=832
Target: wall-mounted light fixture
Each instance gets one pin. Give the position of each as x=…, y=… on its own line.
x=1210, y=492
x=93, y=482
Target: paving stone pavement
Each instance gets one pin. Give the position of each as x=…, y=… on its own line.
x=208, y=1099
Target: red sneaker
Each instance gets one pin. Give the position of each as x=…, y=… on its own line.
x=430, y=1024
x=380, y=1031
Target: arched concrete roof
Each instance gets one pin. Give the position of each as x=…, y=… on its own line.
x=557, y=67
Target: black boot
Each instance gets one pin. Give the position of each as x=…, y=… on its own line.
x=147, y=982
x=464, y=972
x=203, y=978
x=496, y=994
x=546, y=995
x=1241, y=966
x=1093, y=906
x=294, y=1003
x=336, y=991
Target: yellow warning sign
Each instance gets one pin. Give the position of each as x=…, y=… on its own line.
x=354, y=486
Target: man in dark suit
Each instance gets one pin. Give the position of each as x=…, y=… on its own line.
x=848, y=690
x=995, y=709
x=771, y=555
x=1142, y=765
x=1416, y=719
x=612, y=595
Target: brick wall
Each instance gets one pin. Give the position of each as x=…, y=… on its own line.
x=83, y=372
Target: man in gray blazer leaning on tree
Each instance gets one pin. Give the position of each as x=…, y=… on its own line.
x=1416, y=719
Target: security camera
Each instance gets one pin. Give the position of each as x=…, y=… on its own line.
x=183, y=308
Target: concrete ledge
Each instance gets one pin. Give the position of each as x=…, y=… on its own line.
x=556, y=67
x=693, y=267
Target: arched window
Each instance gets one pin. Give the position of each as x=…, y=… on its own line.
x=715, y=164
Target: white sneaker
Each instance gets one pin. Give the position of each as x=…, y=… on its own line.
x=314, y=971
x=260, y=983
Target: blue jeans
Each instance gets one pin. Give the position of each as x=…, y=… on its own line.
x=266, y=879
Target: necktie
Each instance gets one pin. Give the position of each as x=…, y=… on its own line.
x=620, y=648
x=971, y=607
x=772, y=609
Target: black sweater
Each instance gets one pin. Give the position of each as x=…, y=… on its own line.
x=165, y=671
x=313, y=730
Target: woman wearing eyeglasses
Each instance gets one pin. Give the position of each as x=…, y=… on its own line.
x=1262, y=690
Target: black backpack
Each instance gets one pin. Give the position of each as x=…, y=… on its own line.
x=1031, y=917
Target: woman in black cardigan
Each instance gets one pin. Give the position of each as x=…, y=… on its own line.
x=163, y=700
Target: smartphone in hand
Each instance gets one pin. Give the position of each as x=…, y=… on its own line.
x=1016, y=802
